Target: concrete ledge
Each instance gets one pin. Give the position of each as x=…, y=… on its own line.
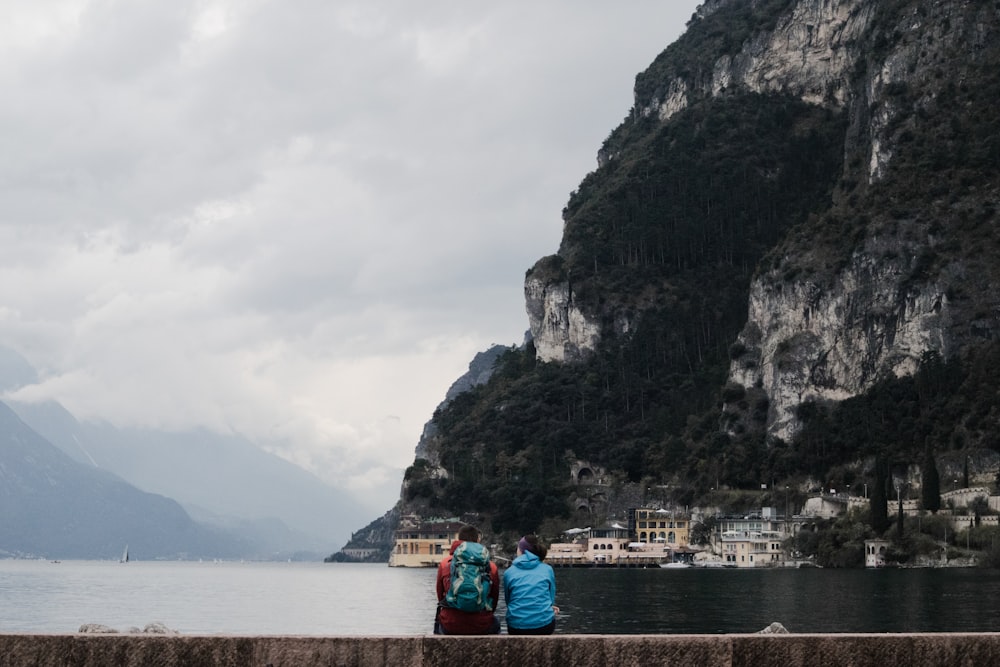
x=788, y=650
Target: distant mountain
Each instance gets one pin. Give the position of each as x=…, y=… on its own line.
x=379, y=534
x=226, y=482
x=232, y=477
x=15, y=371
x=52, y=506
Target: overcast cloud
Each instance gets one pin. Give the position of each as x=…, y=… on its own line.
x=297, y=220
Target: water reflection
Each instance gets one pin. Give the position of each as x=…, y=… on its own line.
x=335, y=599
x=737, y=601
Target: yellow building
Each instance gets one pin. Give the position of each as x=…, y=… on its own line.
x=608, y=545
x=660, y=526
x=422, y=544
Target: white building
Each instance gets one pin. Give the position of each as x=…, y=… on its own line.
x=752, y=540
x=875, y=551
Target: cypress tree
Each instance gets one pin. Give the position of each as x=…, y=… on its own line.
x=879, y=504
x=899, y=517
x=930, y=487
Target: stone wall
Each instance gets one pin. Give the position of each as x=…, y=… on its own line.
x=760, y=650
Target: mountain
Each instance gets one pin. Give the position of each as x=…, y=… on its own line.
x=55, y=507
x=480, y=371
x=783, y=272
x=15, y=371
x=378, y=534
x=226, y=482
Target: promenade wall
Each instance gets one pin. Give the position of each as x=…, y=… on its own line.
x=759, y=650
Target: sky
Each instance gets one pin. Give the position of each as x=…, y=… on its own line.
x=293, y=220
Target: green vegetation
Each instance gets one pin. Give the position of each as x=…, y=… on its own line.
x=505, y=445
x=833, y=543
x=668, y=234
x=925, y=538
x=946, y=405
x=701, y=198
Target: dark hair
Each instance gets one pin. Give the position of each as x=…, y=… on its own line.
x=536, y=547
x=468, y=534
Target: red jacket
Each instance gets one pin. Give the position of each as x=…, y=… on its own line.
x=456, y=621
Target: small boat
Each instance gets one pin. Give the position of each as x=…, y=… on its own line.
x=675, y=565
x=124, y=558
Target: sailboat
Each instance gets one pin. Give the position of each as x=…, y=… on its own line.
x=124, y=555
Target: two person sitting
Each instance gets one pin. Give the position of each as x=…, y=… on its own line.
x=468, y=589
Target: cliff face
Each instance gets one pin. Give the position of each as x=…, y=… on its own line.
x=831, y=339
x=804, y=342
x=560, y=329
x=809, y=55
x=801, y=208
x=816, y=329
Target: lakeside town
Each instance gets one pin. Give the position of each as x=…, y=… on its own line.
x=673, y=537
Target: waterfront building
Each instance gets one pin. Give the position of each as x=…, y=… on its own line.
x=751, y=540
x=568, y=553
x=875, y=551
x=596, y=546
x=658, y=525
x=608, y=546
x=422, y=544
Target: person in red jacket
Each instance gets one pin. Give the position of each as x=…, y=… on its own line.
x=455, y=621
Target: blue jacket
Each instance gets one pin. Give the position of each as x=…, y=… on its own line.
x=529, y=587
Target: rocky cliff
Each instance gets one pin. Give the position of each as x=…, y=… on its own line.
x=809, y=54
x=783, y=270
x=818, y=329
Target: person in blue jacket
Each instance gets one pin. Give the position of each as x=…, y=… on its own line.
x=529, y=588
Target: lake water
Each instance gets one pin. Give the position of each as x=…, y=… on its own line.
x=356, y=599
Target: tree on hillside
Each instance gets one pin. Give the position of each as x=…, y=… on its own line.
x=979, y=506
x=930, y=487
x=879, y=505
x=900, y=517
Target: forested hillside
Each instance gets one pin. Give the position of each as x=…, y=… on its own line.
x=790, y=255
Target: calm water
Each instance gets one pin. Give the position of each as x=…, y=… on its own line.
x=342, y=599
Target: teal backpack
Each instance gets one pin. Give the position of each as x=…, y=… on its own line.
x=470, y=578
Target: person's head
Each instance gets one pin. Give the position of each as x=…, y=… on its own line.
x=534, y=545
x=468, y=534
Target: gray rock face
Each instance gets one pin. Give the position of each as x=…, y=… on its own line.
x=832, y=338
x=561, y=330
x=808, y=54
x=805, y=342
x=827, y=337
